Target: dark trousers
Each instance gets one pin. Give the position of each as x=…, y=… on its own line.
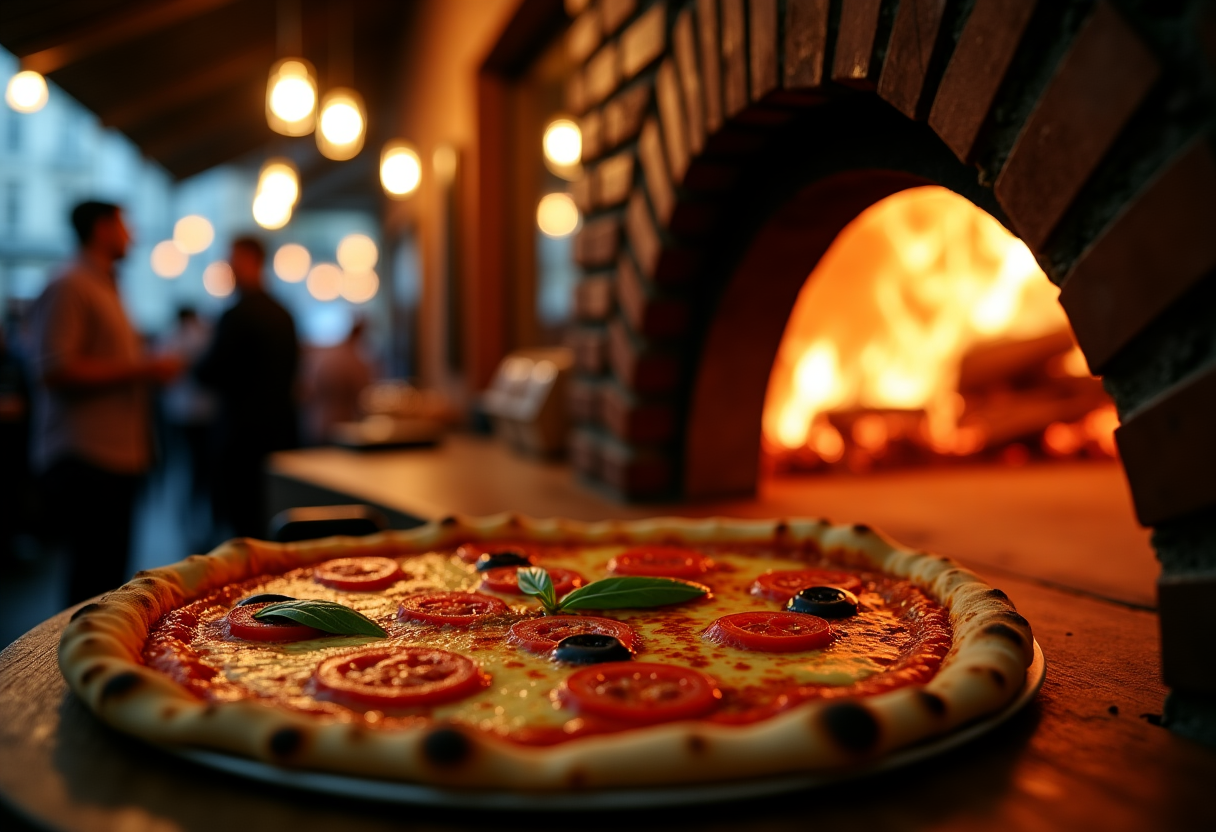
x=89, y=509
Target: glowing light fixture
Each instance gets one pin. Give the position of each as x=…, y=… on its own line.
x=357, y=253
x=341, y=124
x=563, y=142
x=291, y=97
x=193, y=234
x=557, y=215
x=291, y=262
x=26, y=92
x=218, y=279
x=279, y=180
x=400, y=169
x=270, y=213
x=168, y=261
x=359, y=287
x=325, y=281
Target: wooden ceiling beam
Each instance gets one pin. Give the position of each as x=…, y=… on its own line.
x=179, y=93
x=217, y=151
x=119, y=29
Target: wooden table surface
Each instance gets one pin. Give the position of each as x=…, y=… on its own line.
x=1084, y=755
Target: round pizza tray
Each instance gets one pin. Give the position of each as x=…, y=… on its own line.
x=636, y=798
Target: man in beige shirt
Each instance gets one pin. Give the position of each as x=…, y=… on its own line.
x=92, y=426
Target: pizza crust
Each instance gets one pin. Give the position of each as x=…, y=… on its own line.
x=100, y=657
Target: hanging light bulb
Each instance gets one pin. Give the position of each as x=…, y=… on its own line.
x=400, y=169
x=357, y=253
x=280, y=181
x=341, y=124
x=168, y=261
x=193, y=234
x=291, y=262
x=270, y=213
x=557, y=215
x=291, y=97
x=26, y=92
x=563, y=147
x=325, y=281
x=218, y=279
x=359, y=287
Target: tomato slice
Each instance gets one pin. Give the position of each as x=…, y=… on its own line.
x=242, y=624
x=505, y=579
x=456, y=609
x=541, y=635
x=660, y=562
x=366, y=574
x=783, y=584
x=771, y=631
x=399, y=677
x=470, y=552
x=640, y=692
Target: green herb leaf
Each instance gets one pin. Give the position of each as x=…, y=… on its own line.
x=535, y=581
x=631, y=593
x=323, y=615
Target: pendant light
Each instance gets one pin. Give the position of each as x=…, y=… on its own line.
x=26, y=92
x=291, y=90
x=342, y=119
x=277, y=192
x=400, y=169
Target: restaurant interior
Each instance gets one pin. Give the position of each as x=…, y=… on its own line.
x=944, y=268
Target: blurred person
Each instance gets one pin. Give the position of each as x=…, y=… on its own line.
x=92, y=433
x=251, y=365
x=190, y=407
x=14, y=436
x=333, y=378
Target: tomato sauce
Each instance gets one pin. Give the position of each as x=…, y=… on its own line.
x=899, y=637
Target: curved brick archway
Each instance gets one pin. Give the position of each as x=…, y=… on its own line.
x=1089, y=124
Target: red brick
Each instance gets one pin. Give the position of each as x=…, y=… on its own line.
x=638, y=366
x=590, y=346
x=592, y=128
x=633, y=420
x=711, y=66
x=593, y=298
x=806, y=43
x=1099, y=85
x=654, y=170
x=1168, y=448
x=976, y=70
x=684, y=46
x=644, y=41
x=642, y=234
x=671, y=114
x=603, y=74
x=575, y=93
x=914, y=34
x=734, y=58
x=583, y=400
x=616, y=12
x=623, y=114
x=614, y=179
x=636, y=473
x=649, y=313
x=854, y=64
x=598, y=242
x=584, y=36
x=585, y=455
x=580, y=190
x=762, y=47
x=1186, y=606
x=1151, y=254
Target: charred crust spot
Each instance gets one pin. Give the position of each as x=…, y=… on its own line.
x=931, y=702
x=91, y=673
x=446, y=747
x=697, y=745
x=1014, y=618
x=448, y=521
x=851, y=725
x=119, y=685
x=861, y=528
x=286, y=742
x=997, y=676
x=1006, y=632
x=998, y=594
x=85, y=610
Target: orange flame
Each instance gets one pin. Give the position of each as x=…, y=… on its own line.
x=905, y=291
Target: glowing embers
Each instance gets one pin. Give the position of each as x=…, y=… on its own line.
x=928, y=332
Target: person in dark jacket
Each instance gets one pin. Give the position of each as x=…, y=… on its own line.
x=251, y=364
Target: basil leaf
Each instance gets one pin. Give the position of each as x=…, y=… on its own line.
x=631, y=592
x=323, y=615
x=535, y=581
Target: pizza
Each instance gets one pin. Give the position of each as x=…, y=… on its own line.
x=520, y=654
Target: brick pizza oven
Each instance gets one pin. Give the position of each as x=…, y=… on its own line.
x=728, y=142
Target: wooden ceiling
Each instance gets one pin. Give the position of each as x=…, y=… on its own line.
x=186, y=79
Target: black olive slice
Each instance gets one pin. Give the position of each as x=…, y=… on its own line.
x=507, y=557
x=824, y=601
x=591, y=648
x=264, y=598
